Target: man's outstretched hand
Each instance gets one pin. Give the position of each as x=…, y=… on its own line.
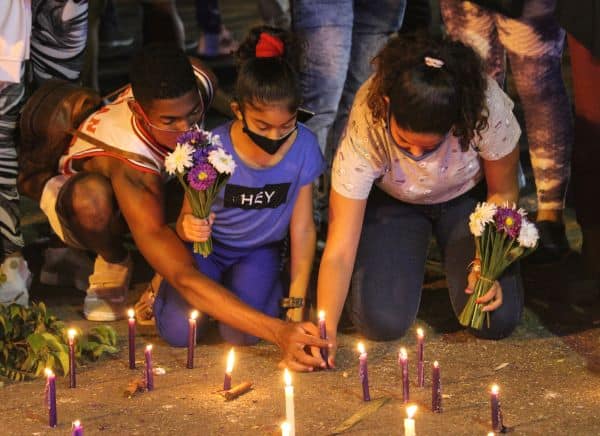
x=294, y=338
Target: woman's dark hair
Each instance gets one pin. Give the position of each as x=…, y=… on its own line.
x=426, y=99
x=160, y=71
x=269, y=79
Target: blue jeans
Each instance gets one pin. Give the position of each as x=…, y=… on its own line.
x=342, y=37
x=251, y=274
x=388, y=275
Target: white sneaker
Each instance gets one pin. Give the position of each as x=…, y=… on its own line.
x=107, y=294
x=15, y=279
x=66, y=266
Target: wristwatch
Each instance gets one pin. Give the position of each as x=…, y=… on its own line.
x=292, y=302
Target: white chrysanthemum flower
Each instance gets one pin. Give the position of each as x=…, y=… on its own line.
x=179, y=159
x=215, y=140
x=528, y=236
x=483, y=214
x=222, y=161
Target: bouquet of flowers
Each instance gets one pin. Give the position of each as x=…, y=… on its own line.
x=502, y=236
x=202, y=167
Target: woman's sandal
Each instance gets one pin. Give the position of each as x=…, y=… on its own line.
x=144, y=313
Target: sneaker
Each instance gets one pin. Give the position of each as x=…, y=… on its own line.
x=15, y=279
x=115, y=39
x=107, y=294
x=212, y=45
x=66, y=266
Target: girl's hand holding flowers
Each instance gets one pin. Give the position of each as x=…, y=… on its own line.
x=196, y=229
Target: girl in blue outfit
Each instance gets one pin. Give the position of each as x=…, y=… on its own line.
x=269, y=193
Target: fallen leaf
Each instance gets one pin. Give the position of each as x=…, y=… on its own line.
x=134, y=386
x=362, y=413
x=501, y=366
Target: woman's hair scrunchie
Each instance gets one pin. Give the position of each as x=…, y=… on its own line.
x=269, y=46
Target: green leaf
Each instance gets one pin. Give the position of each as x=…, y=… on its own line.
x=36, y=341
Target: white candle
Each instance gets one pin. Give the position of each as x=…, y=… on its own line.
x=409, y=421
x=229, y=370
x=285, y=428
x=289, y=402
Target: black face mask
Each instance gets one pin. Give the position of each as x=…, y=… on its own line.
x=267, y=144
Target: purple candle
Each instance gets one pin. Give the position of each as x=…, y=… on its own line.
x=149, y=373
x=131, y=322
x=323, y=335
x=77, y=429
x=497, y=424
x=72, y=375
x=229, y=370
x=191, y=339
x=436, y=389
x=403, y=361
x=420, y=356
x=51, y=397
x=362, y=371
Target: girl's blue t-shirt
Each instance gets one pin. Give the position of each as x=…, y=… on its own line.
x=255, y=206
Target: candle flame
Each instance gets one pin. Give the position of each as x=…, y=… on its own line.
x=131, y=313
x=321, y=315
x=420, y=332
x=72, y=333
x=285, y=428
x=48, y=372
x=436, y=364
x=230, y=361
x=403, y=353
x=76, y=424
x=361, y=348
x=194, y=314
x=149, y=347
x=495, y=389
x=287, y=377
x=410, y=411
x=491, y=434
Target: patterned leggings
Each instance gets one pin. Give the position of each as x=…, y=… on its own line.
x=58, y=36
x=534, y=45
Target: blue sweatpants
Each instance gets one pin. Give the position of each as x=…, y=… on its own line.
x=252, y=274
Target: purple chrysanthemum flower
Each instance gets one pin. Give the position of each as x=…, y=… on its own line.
x=201, y=154
x=194, y=137
x=202, y=176
x=508, y=221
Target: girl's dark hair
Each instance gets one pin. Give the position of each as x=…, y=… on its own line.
x=427, y=99
x=269, y=79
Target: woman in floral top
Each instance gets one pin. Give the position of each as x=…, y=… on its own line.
x=427, y=136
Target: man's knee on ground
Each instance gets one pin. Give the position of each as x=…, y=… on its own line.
x=92, y=203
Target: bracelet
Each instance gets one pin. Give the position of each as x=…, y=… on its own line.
x=291, y=302
x=474, y=266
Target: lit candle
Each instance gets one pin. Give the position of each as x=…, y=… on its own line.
x=285, y=428
x=420, y=356
x=77, y=429
x=149, y=373
x=229, y=370
x=436, y=389
x=323, y=335
x=362, y=371
x=497, y=424
x=403, y=361
x=191, y=339
x=131, y=322
x=72, y=376
x=409, y=421
x=290, y=418
x=51, y=397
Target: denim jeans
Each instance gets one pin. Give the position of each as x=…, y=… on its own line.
x=342, y=37
x=253, y=275
x=385, y=292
